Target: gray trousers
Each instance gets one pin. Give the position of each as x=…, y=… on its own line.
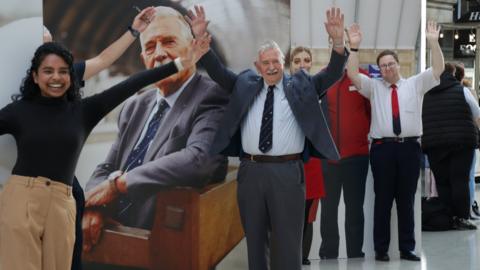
x=271, y=199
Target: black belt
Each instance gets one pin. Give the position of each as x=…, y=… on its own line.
x=261, y=158
x=396, y=139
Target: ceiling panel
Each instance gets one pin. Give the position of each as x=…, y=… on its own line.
x=385, y=23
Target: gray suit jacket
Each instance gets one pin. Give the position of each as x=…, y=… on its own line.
x=302, y=92
x=179, y=154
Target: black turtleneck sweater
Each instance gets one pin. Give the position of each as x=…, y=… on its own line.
x=50, y=132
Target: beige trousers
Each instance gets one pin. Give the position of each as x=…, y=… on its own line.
x=37, y=224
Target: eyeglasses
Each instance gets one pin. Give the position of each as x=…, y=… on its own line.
x=389, y=65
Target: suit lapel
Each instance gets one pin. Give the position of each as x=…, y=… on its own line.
x=172, y=117
x=137, y=122
x=288, y=88
x=244, y=99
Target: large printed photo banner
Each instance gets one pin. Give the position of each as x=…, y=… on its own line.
x=21, y=32
x=238, y=28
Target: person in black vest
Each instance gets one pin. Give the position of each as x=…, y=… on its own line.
x=449, y=138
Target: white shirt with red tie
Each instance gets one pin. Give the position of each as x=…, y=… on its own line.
x=410, y=99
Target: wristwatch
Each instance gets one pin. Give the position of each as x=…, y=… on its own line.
x=133, y=31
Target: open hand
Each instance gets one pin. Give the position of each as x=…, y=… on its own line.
x=432, y=31
x=334, y=25
x=143, y=19
x=354, y=35
x=197, y=21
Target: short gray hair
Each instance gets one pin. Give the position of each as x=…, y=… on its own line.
x=267, y=45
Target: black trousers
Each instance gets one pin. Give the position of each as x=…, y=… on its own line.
x=349, y=175
x=395, y=168
x=307, y=231
x=79, y=197
x=451, y=168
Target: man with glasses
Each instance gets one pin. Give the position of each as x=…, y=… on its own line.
x=396, y=126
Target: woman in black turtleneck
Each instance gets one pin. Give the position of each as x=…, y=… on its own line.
x=50, y=123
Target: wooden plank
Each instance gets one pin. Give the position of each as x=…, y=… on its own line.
x=220, y=229
x=123, y=246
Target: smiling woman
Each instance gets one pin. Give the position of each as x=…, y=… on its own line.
x=50, y=75
x=53, y=76
x=50, y=123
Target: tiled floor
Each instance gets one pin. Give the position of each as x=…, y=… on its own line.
x=451, y=250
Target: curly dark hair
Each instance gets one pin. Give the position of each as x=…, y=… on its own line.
x=29, y=89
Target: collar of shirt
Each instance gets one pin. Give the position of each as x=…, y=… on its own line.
x=171, y=99
x=278, y=85
x=398, y=83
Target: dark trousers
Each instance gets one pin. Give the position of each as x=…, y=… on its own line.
x=349, y=174
x=271, y=199
x=79, y=197
x=307, y=231
x=451, y=168
x=395, y=169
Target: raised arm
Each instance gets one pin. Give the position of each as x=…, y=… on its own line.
x=334, y=70
x=432, y=34
x=109, y=55
x=335, y=29
x=210, y=61
x=355, y=38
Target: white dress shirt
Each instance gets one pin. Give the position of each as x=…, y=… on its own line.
x=410, y=99
x=287, y=136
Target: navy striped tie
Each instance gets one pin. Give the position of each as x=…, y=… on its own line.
x=266, y=129
x=136, y=156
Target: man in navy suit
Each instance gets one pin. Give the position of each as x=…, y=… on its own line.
x=273, y=120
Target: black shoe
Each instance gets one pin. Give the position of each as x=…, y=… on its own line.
x=357, y=255
x=409, y=256
x=475, y=208
x=383, y=257
x=305, y=261
x=328, y=257
x=462, y=224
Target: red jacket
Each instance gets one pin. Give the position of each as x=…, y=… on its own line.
x=349, y=118
x=314, y=179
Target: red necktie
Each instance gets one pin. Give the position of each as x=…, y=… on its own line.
x=397, y=129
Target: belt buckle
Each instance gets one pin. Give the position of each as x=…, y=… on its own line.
x=251, y=158
x=401, y=139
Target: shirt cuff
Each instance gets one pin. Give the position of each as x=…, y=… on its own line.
x=178, y=64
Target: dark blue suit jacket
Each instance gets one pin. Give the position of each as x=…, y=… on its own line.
x=302, y=92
